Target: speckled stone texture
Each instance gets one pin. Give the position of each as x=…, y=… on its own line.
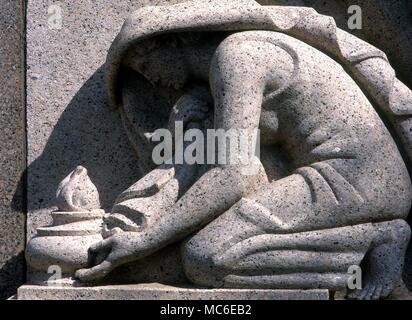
x=69, y=121
x=163, y=292
x=399, y=293
x=12, y=146
x=306, y=225
x=386, y=24
x=76, y=226
x=319, y=95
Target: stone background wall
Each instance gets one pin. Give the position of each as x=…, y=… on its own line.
x=68, y=119
x=69, y=122
x=12, y=146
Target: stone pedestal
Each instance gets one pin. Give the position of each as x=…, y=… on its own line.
x=155, y=291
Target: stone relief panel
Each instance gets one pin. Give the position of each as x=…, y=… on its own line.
x=324, y=187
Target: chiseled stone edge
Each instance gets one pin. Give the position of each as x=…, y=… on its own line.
x=12, y=146
x=157, y=291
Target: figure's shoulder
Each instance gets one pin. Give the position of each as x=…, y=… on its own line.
x=256, y=44
x=254, y=52
x=234, y=46
x=240, y=42
x=260, y=36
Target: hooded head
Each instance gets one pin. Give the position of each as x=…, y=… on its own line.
x=151, y=22
x=168, y=60
x=305, y=24
x=154, y=35
x=160, y=61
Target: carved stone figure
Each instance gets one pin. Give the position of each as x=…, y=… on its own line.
x=332, y=190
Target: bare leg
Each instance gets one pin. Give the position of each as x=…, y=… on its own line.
x=233, y=251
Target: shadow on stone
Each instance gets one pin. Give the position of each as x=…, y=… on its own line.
x=90, y=133
x=11, y=276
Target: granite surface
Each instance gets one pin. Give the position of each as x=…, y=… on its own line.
x=155, y=291
x=385, y=24
x=71, y=124
x=69, y=121
x=346, y=171
x=400, y=293
x=12, y=146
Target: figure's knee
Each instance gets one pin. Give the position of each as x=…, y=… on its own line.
x=392, y=190
x=199, y=264
x=397, y=231
x=401, y=231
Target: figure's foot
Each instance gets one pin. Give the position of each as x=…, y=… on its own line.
x=384, y=262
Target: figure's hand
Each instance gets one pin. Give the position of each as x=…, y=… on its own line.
x=107, y=255
x=188, y=109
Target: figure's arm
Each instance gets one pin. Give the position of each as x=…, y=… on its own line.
x=237, y=80
x=192, y=107
x=238, y=83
